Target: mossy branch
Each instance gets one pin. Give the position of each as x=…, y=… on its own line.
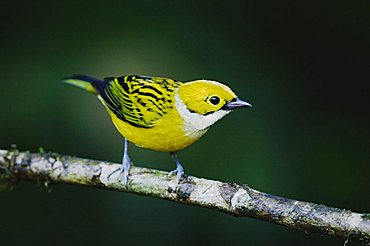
x=235, y=199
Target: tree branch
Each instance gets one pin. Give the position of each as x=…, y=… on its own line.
x=231, y=198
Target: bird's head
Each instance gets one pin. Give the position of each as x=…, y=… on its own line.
x=201, y=103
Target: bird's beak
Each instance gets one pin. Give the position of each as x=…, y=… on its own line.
x=236, y=103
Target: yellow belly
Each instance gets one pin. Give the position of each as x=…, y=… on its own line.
x=167, y=135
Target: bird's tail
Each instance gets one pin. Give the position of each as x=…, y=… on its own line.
x=90, y=84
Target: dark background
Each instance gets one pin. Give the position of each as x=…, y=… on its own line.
x=303, y=65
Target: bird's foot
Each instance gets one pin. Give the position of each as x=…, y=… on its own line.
x=124, y=170
x=179, y=171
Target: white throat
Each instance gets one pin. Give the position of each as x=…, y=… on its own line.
x=195, y=124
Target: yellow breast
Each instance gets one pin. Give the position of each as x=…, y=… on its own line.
x=168, y=135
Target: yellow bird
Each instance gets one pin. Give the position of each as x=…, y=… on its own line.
x=160, y=114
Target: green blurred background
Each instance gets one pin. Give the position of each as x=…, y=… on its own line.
x=304, y=66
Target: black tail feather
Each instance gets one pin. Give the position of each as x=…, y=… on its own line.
x=98, y=84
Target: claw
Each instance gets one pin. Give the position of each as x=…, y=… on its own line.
x=118, y=169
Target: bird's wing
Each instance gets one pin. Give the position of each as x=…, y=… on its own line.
x=139, y=100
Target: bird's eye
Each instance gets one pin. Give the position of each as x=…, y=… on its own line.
x=214, y=100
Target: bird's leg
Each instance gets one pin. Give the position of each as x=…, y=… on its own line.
x=179, y=171
x=126, y=163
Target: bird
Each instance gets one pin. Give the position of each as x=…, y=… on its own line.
x=160, y=114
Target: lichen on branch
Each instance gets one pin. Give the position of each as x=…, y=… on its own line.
x=235, y=199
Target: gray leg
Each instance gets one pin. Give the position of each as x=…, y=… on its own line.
x=179, y=171
x=126, y=162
